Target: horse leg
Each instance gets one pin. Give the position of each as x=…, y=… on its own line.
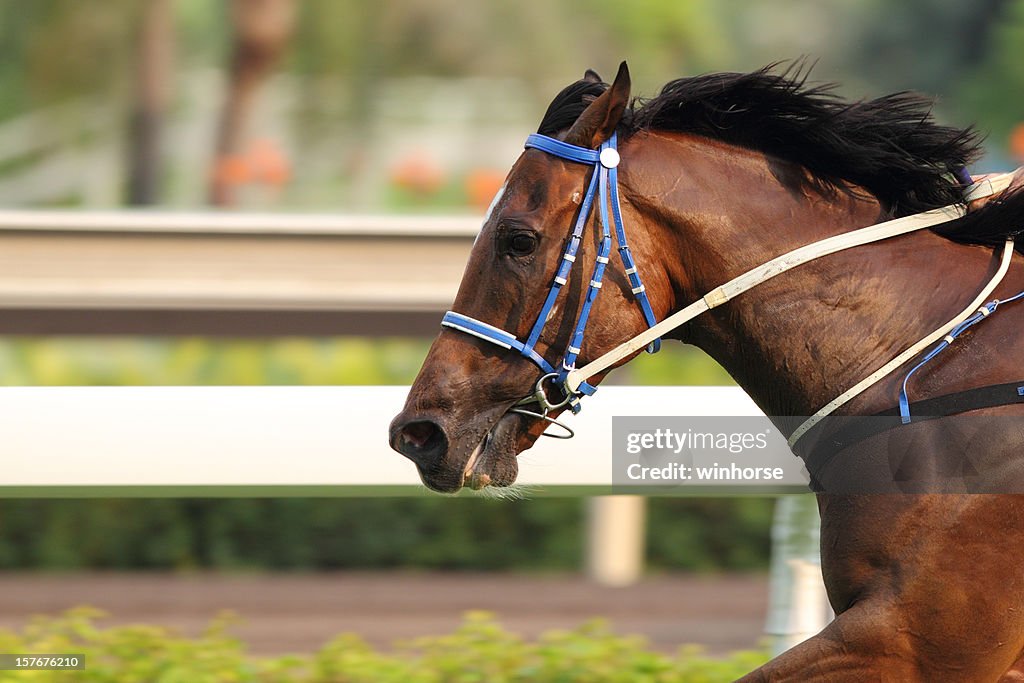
x=872, y=641
x=861, y=644
x=865, y=644
x=1015, y=674
x=932, y=594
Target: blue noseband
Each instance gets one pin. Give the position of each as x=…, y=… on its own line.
x=604, y=184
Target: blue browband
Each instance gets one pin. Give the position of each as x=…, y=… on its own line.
x=603, y=183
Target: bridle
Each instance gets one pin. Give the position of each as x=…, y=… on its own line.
x=571, y=381
x=604, y=185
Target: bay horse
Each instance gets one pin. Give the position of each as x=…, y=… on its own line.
x=714, y=177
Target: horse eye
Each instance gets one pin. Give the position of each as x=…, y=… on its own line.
x=522, y=243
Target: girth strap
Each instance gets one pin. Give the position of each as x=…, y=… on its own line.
x=818, y=449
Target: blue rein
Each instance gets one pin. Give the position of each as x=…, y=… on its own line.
x=605, y=185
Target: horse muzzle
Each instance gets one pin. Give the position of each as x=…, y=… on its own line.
x=477, y=455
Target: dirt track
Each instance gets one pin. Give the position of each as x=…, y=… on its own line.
x=298, y=613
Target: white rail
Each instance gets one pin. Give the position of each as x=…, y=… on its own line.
x=130, y=268
x=280, y=436
x=239, y=222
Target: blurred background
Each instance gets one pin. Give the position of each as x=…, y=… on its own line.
x=348, y=107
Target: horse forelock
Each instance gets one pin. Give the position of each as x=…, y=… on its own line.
x=568, y=105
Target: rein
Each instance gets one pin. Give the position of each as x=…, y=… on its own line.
x=604, y=183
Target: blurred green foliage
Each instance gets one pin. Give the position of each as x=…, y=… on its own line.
x=479, y=651
x=966, y=53
x=925, y=44
x=674, y=364
x=94, y=361
x=43, y=44
x=995, y=89
x=97, y=361
x=348, y=533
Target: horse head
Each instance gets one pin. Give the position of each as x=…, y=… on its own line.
x=464, y=422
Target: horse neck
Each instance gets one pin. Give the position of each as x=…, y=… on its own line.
x=796, y=341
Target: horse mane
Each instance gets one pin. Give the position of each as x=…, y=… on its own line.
x=890, y=146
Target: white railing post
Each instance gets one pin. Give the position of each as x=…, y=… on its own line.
x=615, y=539
x=798, y=606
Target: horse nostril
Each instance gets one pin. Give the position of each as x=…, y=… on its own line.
x=422, y=441
x=419, y=433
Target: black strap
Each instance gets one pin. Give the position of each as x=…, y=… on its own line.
x=824, y=448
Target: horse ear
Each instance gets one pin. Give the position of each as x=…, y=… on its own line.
x=591, y=77
x=598, y=121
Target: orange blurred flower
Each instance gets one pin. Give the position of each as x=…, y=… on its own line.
x=418, y=173
x=263, y=162
x=481, y=186
x=1017, y=142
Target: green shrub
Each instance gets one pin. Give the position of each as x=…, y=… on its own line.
x=480, y=651
x=430, y=532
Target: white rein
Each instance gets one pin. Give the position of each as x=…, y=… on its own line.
x=874, y=233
